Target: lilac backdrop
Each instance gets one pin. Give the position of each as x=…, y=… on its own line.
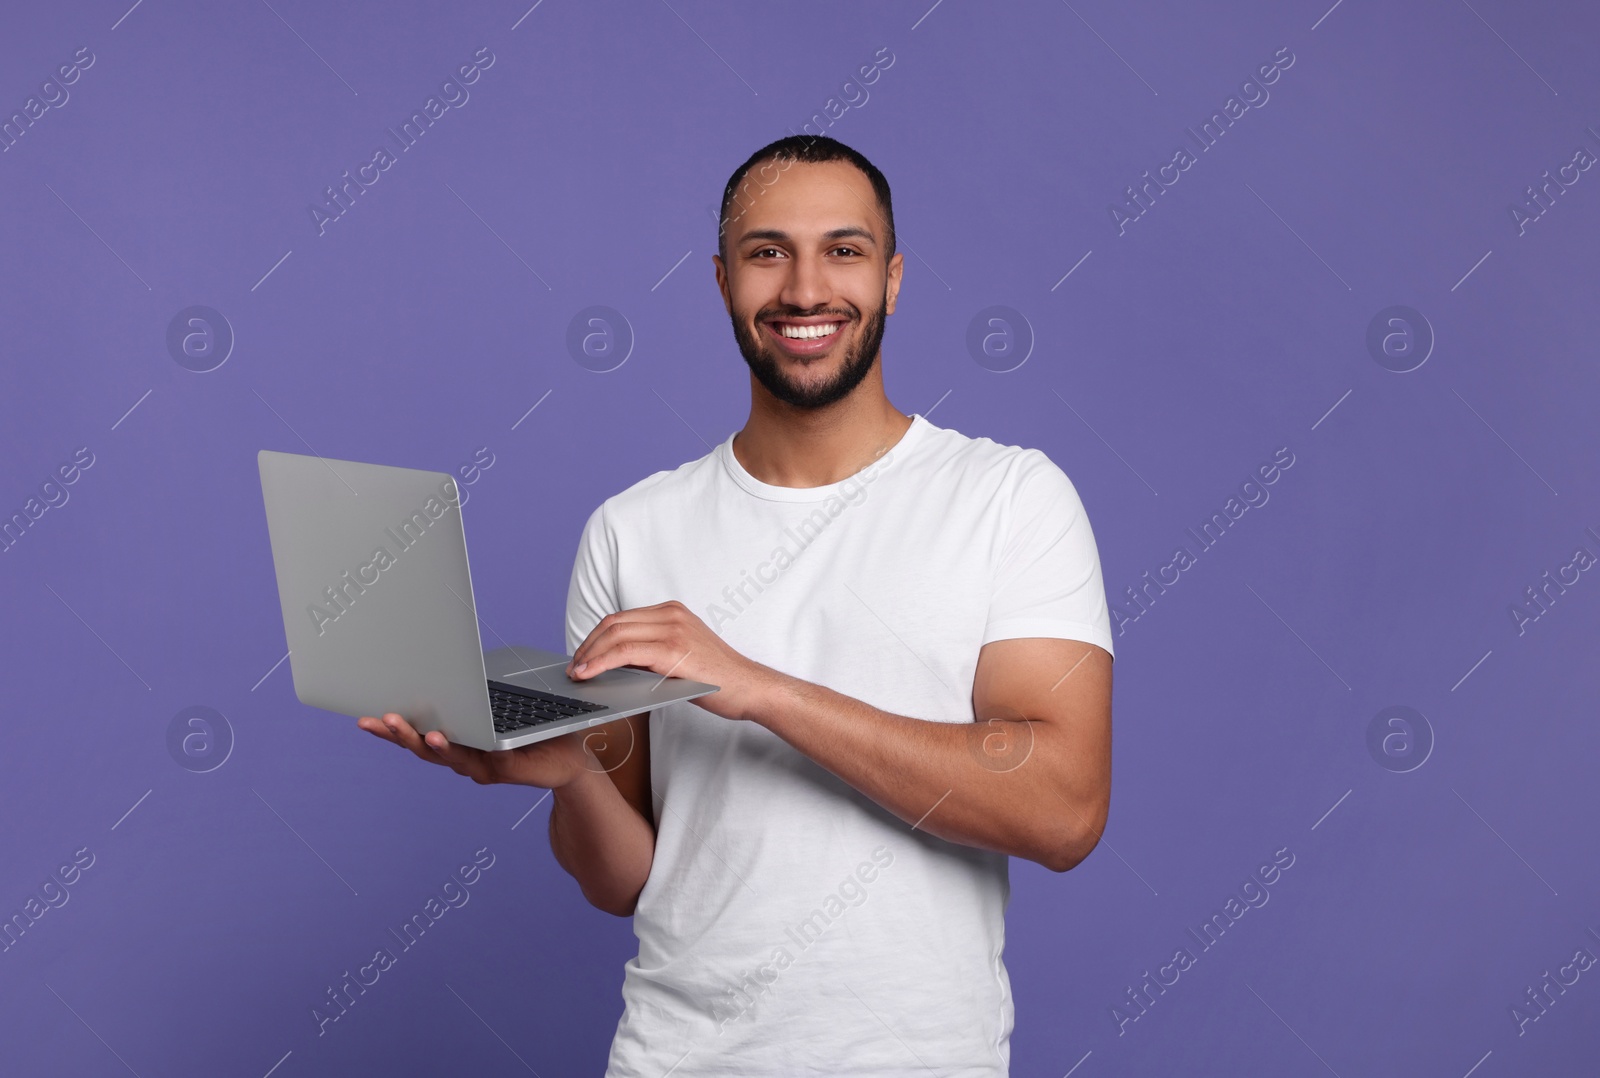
x=235, y=862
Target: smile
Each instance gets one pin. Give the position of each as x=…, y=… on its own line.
x=798, y=332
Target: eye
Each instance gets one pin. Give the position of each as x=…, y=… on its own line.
x=847, y=250
x=758, y=253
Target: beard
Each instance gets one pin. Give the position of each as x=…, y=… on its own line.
x=765, y=361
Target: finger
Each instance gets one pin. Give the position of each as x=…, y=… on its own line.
x=643, y=648
x=407, y=735
x=375, y=727
x=462, y=759
x=660, y=615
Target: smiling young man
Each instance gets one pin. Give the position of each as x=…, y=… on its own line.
x=912, y=639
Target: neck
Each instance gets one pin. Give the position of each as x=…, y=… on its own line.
x=785, y=446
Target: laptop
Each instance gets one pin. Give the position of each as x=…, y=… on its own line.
x=377, y=601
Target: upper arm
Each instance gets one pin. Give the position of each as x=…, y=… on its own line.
x=622, y=747
x=1046, y=654
x=623, y=750
x=1060, y=690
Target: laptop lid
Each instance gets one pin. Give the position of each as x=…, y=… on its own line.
x=376, y=596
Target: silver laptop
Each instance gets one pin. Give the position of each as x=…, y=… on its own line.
x=378, y=610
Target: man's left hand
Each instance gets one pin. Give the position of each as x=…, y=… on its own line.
x=670, y=640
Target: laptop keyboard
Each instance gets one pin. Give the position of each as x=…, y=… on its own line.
x=515, y=708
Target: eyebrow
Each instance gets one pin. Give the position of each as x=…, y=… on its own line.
x=779, y=236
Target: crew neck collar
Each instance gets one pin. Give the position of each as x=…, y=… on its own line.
x=908, y=442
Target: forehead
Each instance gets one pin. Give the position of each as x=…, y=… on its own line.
x=804, y=200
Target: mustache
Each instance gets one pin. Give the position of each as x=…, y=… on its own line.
x=785, y=315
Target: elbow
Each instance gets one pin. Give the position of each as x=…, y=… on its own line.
x=1072, y=842
x=613, y=902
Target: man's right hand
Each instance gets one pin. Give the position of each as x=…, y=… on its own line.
x=550, y=763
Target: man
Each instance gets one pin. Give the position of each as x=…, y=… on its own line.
x=911, y=636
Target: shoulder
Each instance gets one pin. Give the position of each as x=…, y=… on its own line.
x=983, y=463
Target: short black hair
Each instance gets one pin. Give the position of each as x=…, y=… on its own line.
x=808, y=149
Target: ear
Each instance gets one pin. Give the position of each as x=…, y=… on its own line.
x=892, y=290
x=722, y=283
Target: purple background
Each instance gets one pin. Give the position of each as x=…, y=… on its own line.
x=1227, y=321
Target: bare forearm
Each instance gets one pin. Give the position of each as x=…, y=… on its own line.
x=602, y=841
x=938, y=776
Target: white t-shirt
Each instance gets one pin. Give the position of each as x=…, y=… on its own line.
x=790, y=925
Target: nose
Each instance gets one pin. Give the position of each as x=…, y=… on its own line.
x=806, y=285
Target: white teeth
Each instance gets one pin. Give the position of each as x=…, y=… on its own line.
x=808, y=332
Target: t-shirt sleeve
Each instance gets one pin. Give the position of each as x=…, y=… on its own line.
x=1048, y=580
x=592, y=591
